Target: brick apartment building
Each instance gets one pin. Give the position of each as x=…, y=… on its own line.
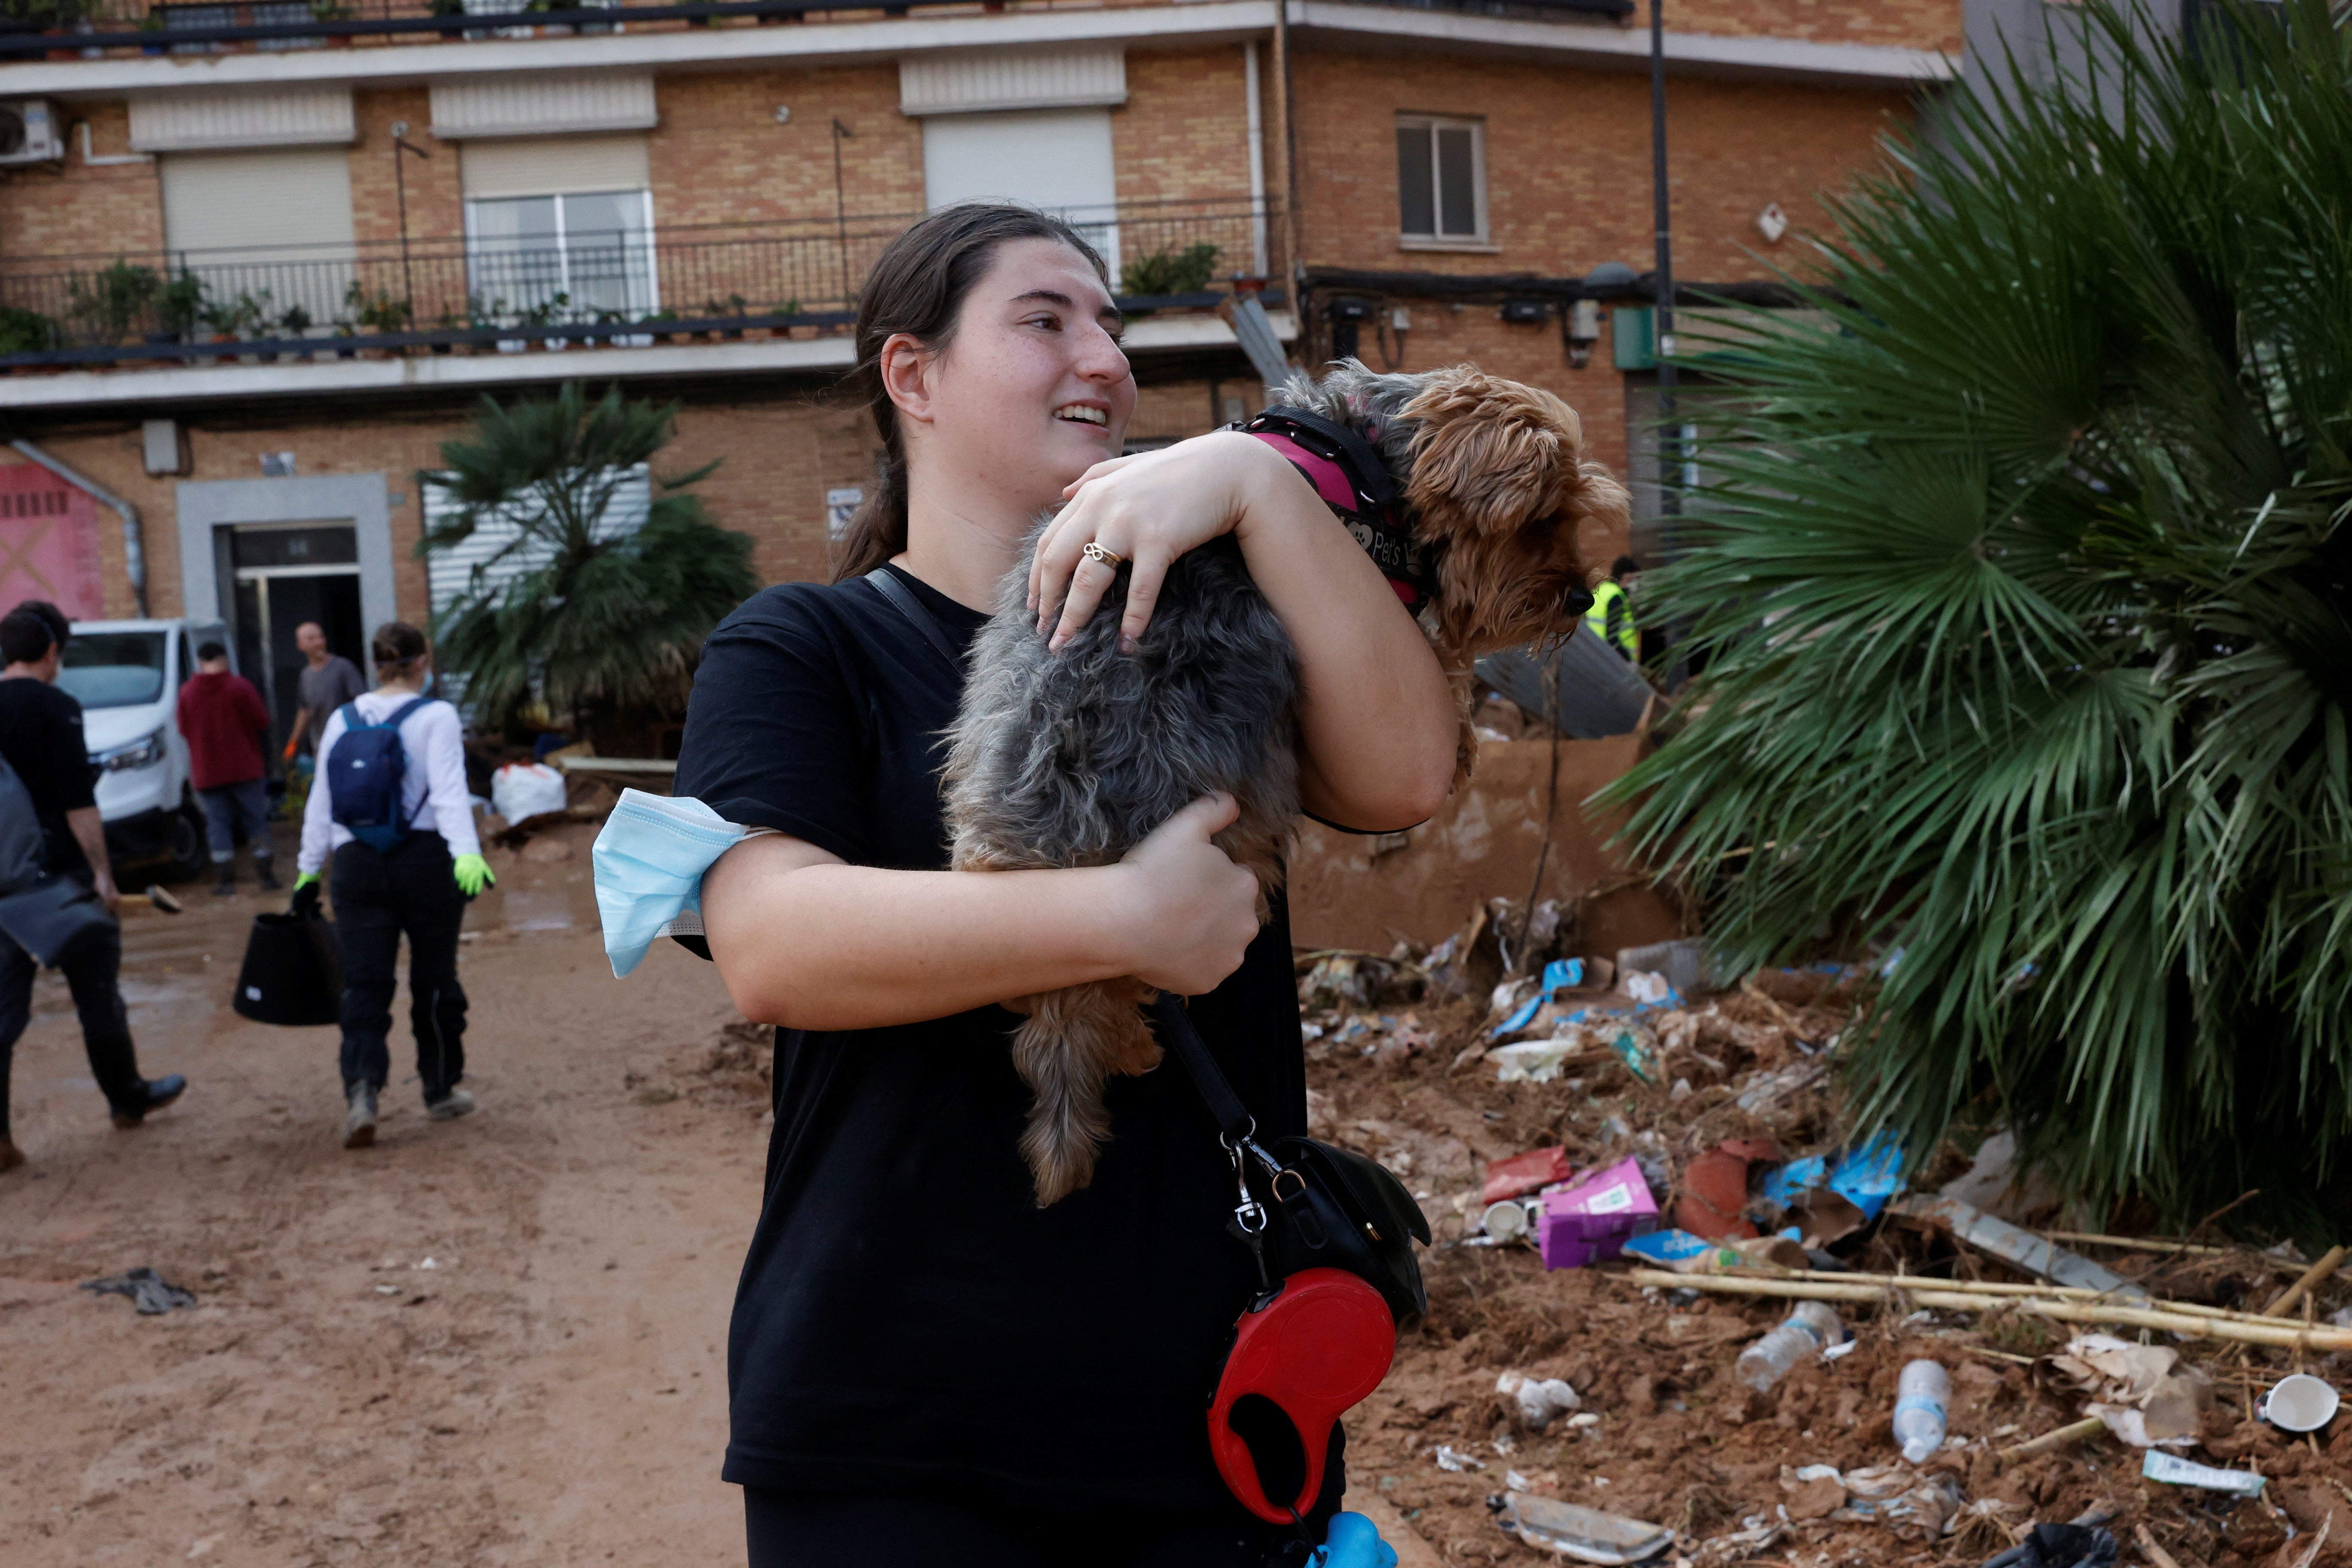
x=258, y=258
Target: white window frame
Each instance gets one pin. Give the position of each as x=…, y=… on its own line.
x=476, y=251
x=1432, y=123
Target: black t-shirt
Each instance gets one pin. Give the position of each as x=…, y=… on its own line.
x=908, y=1320
x=40, y=734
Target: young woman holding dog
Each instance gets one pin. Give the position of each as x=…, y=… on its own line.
x=925, y=1367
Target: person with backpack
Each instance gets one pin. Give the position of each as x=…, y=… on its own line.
x=49, y=815
x=390, y=807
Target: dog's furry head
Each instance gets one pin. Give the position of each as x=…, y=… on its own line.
x=1494, y=479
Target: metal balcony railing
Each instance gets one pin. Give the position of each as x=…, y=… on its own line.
x=70, y=29
x=629, y=287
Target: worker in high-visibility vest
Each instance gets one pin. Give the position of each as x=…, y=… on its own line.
x=1611, y=618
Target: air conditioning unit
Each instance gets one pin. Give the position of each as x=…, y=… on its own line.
x=30, y=131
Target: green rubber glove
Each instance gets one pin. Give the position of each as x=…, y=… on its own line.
x=305, y=879
x=473, y=875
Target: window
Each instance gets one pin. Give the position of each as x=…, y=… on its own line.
x=269, y=230
x=1057, y=159
x=1441, y=179
x=561, y=216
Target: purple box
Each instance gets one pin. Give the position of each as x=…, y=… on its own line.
x=1591, y=1221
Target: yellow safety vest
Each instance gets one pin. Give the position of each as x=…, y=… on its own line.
x=1612, y=620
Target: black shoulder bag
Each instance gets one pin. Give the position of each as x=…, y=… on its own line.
x=1322, y=1207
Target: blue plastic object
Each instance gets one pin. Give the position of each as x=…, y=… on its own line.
x=1865, y=1177
x=1559, y=974
x=1353, y=1542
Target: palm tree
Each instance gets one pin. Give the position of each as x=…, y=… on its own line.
x=602, y=620
x=2026, y=599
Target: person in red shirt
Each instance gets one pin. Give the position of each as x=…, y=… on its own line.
x=225, y=725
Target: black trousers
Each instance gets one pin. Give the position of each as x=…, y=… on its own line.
x=377, y=897
x=90, y=971
x=813, y=1530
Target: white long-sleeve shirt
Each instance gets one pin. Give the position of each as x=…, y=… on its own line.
x=432, y=791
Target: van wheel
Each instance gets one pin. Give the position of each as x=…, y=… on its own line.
x=191, y=854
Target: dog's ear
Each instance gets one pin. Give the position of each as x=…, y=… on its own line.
x=1489, y=454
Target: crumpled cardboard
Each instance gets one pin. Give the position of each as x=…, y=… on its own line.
x=2136, y=1390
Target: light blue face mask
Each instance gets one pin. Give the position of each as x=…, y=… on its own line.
x=649, y=862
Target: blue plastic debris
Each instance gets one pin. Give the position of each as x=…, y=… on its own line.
x=1559, y=974
x=1865, y=1177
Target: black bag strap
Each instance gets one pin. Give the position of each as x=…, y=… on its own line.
x=886, y=582
x=1178, y=1034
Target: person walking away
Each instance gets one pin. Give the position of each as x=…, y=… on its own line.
x=1611, y=618
x=41, y=739
x=389, y=805
x=227, y=726
x=327, y=682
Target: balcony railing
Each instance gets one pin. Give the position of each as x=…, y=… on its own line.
x=71, y=29
x=625, y=287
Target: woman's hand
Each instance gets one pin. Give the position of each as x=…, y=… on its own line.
x=1194, y=912
x=1149, y=508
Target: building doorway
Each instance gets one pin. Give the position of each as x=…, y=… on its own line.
x=286, y=573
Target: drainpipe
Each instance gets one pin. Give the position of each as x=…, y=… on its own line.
x=134, y=557
x=1257, y=159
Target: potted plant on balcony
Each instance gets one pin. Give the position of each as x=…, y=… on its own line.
x=1185, y=271
x=333, y=11
x=107, y=304
x=297, y=323
x=256, y=321
x=551, y=311
x=448, y=8
x=25, y=331
x=447, y=322
x=375, y=312
x=179, y=305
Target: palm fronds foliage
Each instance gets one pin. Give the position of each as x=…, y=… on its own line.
x=2024, y=593
x=601, y=618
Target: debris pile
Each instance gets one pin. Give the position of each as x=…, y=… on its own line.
x=1681, y=1313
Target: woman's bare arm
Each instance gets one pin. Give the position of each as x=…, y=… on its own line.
x=805, y=939
x=1378, y=719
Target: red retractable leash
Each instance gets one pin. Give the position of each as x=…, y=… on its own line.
x=1314, y=1347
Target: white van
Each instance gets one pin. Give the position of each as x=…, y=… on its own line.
x=127, y=676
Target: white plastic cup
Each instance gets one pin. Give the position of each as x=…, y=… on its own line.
x=1506, y=1221
x=2301, y=1403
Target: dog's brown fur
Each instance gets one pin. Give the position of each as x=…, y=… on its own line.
x=1494, y=479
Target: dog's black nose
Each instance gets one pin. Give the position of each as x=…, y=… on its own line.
x=1576, y=601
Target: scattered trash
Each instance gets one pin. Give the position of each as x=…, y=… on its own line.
x=1585, y=1534
x=1715, y=1189
x=2137, y=1392
x=521, y=790
x=1592, y=1220
x=150, y=1292
x=1648, y=989
x=2179, y=1472
x=1921, y=1398
x=2059, y=1546
x=1559, y=974
x=1682, y=963
x=2300, y=1404
x=2022, y=1247
x=1510, y=1220
x=1520, y=1175
x=1539, y=1401
x=1636, y=1059
x=1809, y=1329
x=1911, y=1505
x=1531, y=1061
x=1450, y=1457
x=1682, y=1252
x=1836, y=1200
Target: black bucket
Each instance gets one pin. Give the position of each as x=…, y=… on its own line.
x=293, y=972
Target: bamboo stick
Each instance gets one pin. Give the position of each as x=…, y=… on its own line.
x=2137, y=1244
x=1915, y=1282
x=2312, y=1277
x=2049, y=1440
x=2156, y=1555
x=2190, y=1325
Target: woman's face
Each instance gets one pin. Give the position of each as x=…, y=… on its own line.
x=1032, y=390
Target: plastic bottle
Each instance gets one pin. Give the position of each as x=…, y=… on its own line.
x=1810, y=1329
x=1920, y=1399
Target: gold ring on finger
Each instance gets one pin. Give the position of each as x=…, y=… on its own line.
x=1111, y=558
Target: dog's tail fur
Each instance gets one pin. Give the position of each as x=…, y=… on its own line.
x=1073, y=1040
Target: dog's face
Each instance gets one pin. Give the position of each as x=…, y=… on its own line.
x=1499, y=482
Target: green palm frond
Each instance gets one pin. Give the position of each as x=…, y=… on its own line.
x=2026, y=600
x=602, y=619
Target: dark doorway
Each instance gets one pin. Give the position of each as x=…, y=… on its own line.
x=286, y=576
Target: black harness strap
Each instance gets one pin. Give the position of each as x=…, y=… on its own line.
x=886, y=583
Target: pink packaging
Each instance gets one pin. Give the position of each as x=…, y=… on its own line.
x=1592, y=1220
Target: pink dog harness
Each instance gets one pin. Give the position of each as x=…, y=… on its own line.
x=1347, y=472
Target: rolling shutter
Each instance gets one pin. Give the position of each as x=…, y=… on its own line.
x=1057, y=159
x=554, y=165
x=277, y=220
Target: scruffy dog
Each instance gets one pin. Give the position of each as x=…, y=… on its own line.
x=1071, y=759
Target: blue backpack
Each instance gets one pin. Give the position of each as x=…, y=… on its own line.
x=365, y=769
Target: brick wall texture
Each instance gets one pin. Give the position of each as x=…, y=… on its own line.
x=1567, y=152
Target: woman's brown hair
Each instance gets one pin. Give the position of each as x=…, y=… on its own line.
x=395, y=646
x=917, y=286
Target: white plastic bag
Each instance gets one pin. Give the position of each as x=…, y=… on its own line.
x=527, y=789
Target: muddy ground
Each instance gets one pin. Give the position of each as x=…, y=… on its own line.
x=549, y=1389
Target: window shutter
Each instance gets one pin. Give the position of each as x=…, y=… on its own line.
x=279, y=221
x=554, y=165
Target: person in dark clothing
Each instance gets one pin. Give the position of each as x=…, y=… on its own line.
x=40, y=736
x=1003, y=1385
x=418, y=885
x=226, y=728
